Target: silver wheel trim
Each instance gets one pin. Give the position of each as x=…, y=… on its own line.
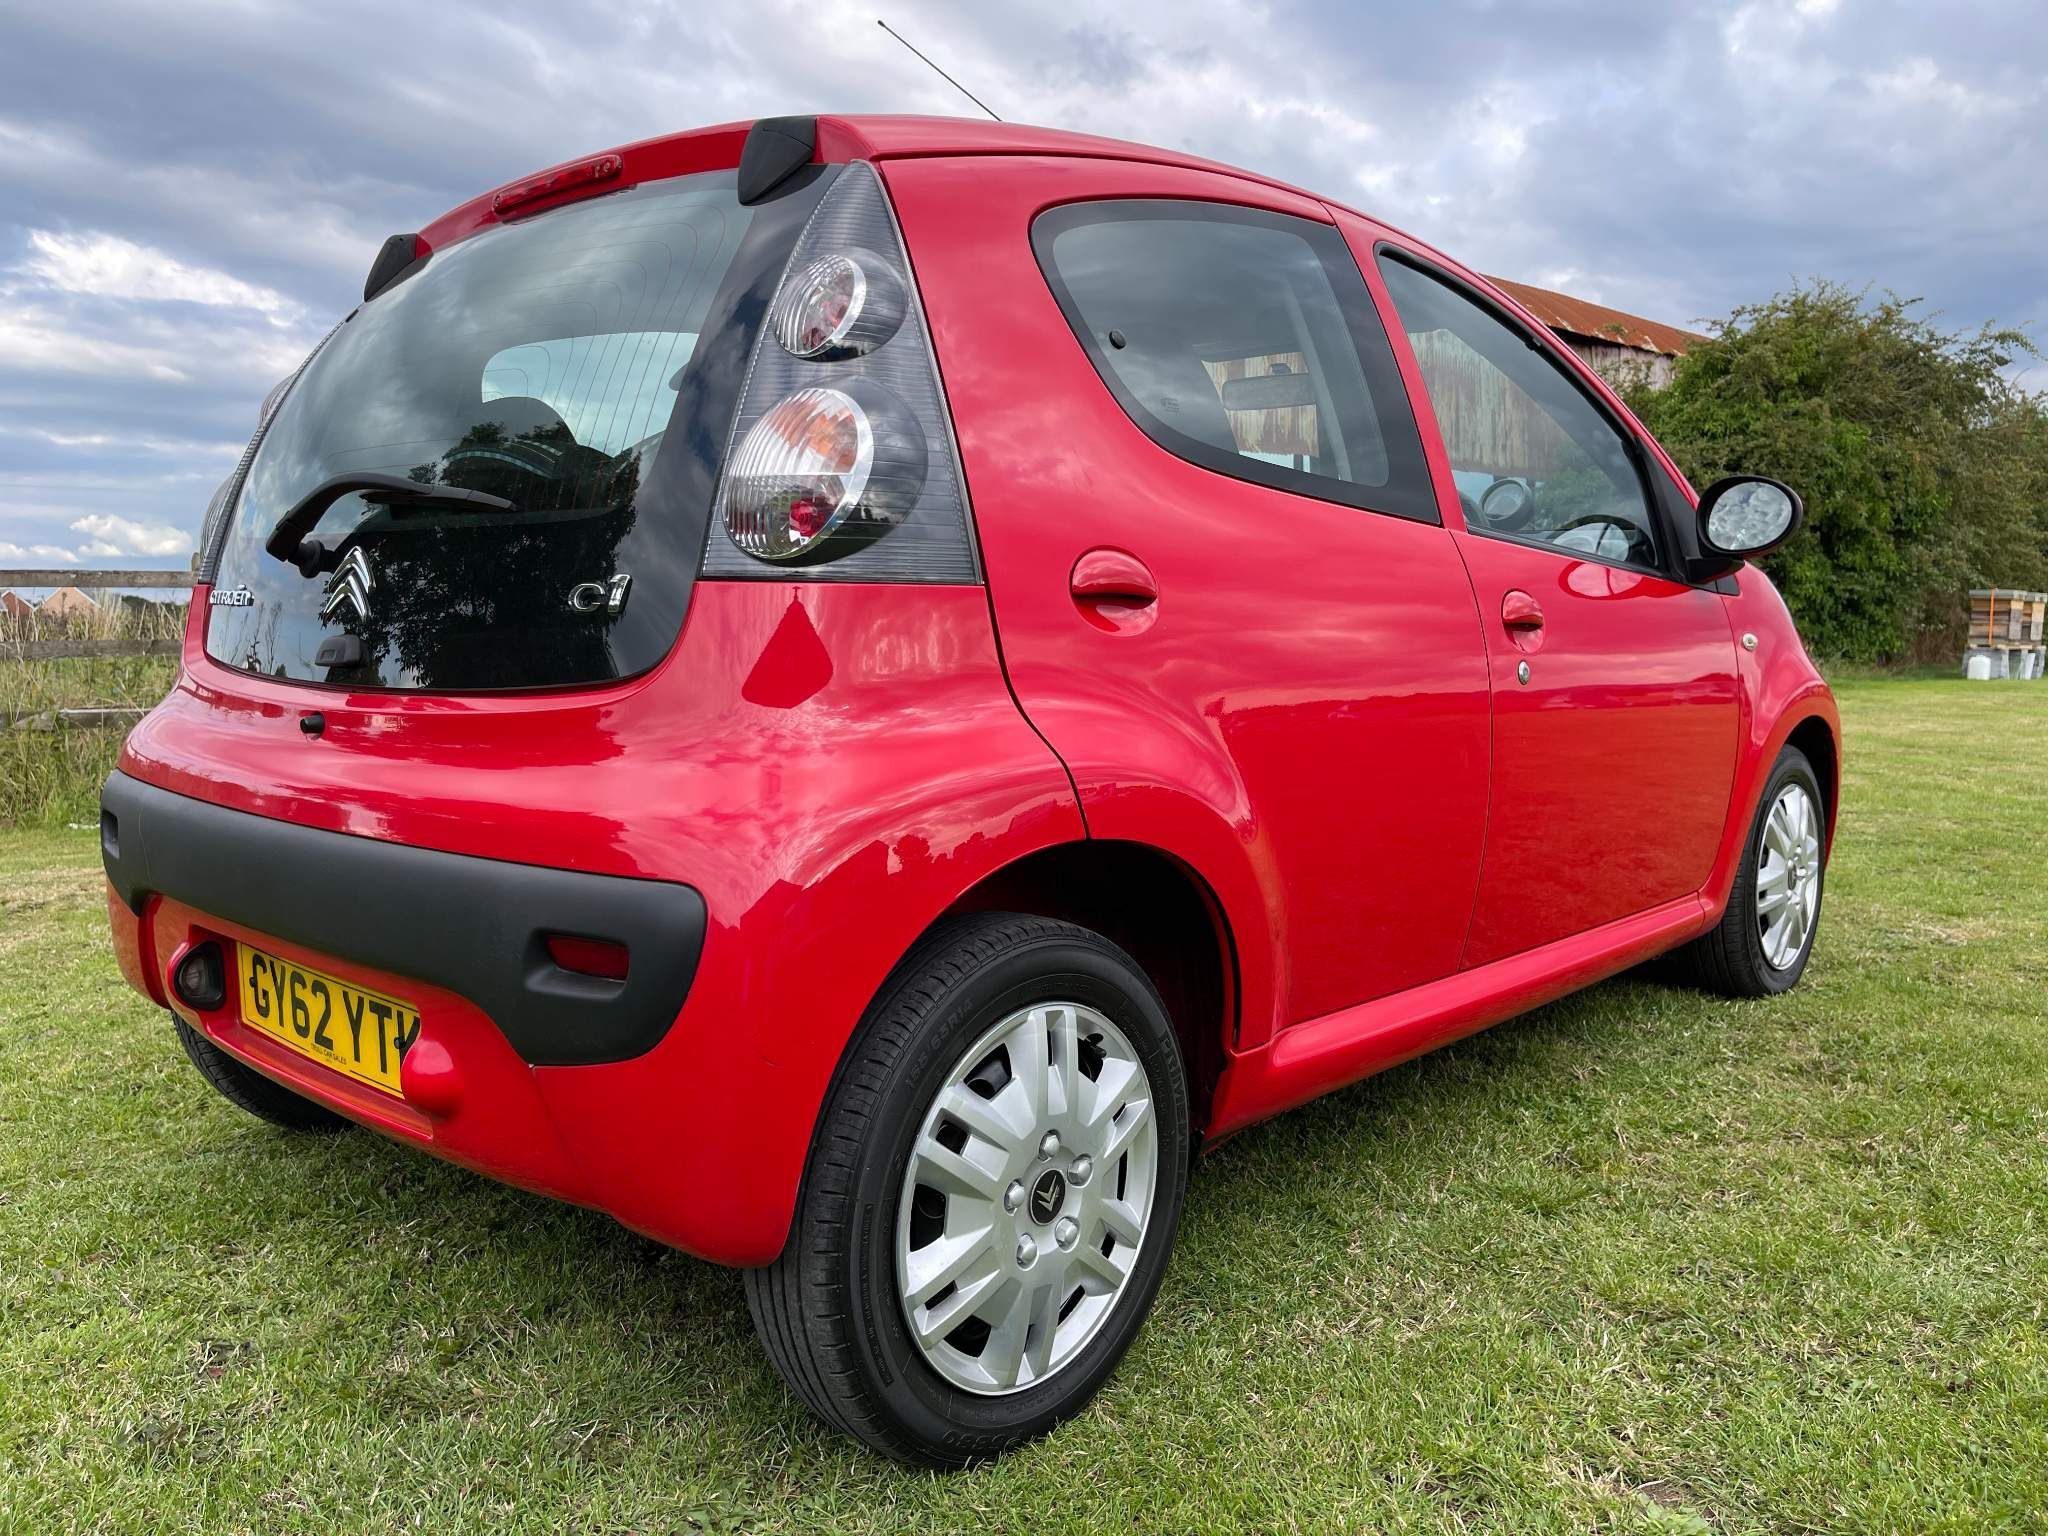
x=1788, y=869
x=1001, y=1293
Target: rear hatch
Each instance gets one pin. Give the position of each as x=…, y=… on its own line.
x=469, y=689
x=578, y=368
x=493, y=678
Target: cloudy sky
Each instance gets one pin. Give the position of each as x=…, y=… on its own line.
x=190, y=194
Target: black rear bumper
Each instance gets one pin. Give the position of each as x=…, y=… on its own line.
x=477, y=927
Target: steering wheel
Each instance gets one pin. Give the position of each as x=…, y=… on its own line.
x=1508, y=506
x=1636, y=545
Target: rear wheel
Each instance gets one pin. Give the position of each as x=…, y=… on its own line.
x=1761, y=945
x=248, y=1089
x=992, y=1193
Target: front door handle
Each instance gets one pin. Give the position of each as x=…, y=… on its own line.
x=1520, y=612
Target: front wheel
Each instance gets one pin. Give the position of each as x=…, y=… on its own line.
x=1761, y=945
x=991, y=1196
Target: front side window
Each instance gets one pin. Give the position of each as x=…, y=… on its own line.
x=1240, y=340
x=1533, y=458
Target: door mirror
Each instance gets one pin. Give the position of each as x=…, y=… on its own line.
x=1745, y=516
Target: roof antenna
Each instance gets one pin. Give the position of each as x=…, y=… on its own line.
x=906, y=42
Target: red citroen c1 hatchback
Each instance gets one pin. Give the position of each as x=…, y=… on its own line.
x=851, y=691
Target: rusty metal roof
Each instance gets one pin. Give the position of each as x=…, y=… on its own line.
x=1596, y=322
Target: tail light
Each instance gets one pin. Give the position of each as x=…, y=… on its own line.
x=843, y=305
x=824, y=468
x=841, y=464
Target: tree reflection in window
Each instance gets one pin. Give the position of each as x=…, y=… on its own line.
x=483, y=597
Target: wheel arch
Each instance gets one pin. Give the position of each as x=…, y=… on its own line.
x=1158, y=910
x=1808, y=721
x=1814, y=736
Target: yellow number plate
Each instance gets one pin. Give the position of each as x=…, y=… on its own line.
x=360, y=1033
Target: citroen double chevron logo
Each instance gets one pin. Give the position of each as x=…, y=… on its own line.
x=350, y=586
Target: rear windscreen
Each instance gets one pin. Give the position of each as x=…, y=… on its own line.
x=582, y=366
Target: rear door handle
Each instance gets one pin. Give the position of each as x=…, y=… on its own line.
x=1520, y=611
x=1113, y=576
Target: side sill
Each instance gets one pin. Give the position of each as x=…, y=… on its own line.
x=1318, y=1056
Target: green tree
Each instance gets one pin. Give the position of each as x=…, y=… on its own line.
x=1923, y=466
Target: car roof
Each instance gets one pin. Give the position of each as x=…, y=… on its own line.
x=900, y=137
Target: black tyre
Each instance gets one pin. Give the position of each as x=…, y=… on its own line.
x=246, y=1088
x=1761, y=945
x=991, y=1196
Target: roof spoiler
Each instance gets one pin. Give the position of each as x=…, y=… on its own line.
x=776, y=149
x=399, y=258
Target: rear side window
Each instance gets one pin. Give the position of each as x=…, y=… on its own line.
x=1242, y=341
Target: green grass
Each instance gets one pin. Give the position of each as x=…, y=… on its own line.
x=1641, y=1261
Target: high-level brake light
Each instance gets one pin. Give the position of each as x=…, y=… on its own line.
x=585, y=176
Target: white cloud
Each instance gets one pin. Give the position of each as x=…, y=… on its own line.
x=109, y=267
x=80, y=336
x=142, y=442
x=1919, y=83
x=219, y=345
x=34, y=340
x=112, y=535
x=308, y=221
x=51, y=552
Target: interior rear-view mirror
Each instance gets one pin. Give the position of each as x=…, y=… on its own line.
x=1268, y=392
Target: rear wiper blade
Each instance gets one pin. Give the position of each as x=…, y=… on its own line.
x=288, y=541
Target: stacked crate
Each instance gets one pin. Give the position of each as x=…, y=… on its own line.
x=2008, y=634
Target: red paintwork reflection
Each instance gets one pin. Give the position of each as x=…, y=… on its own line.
x=1781, y=692
x=1305, y=721
x=831, y=766
x=1328, y=1053
x=1612, y=764
x=131, y=949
